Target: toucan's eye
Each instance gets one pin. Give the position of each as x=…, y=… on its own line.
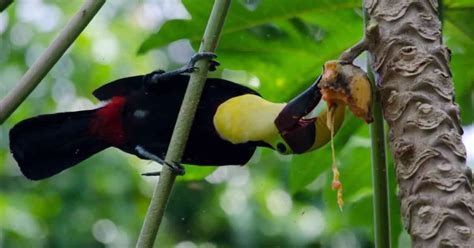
x=281, y=148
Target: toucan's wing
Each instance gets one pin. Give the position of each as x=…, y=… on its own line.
x=124, y=86
x=119, y=87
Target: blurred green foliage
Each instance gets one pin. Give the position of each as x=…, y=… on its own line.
x=277, y=47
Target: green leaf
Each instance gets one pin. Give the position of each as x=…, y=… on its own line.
x=463, y=20
x=459, y=37
x=283, y=43
x=305, y=168
x=458, y=4
x=239, y=20
x=356, y=177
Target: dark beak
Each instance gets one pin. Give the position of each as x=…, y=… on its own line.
x=299, y=133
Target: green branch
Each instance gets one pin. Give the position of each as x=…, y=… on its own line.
x=183, y=126
x=48, y=59
x=381, y=202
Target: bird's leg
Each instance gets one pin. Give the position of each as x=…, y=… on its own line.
x=175, y=167
x=152, y=174
x=199, y=56
x=188, y=68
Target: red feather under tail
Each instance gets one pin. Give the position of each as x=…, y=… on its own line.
x=107, y=124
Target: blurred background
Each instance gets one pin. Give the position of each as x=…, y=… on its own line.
x=277, y=47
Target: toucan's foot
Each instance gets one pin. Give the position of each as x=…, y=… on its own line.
x=175, y=167
x=201, y=55
x=158, y=72
x=151, y=174
x=190, y=67
x=154, y=77
x=213, y=65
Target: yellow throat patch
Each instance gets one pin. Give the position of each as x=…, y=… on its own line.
x=247, y=118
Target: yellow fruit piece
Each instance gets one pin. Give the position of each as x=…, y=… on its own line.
x=349, y=84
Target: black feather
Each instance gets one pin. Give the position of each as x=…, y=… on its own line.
x=48, y=144
x=119, y=87
x=162, y=103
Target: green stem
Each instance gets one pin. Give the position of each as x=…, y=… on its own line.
x=48, y=59
x=380, y=177
x=183, y=126
x=381, y=202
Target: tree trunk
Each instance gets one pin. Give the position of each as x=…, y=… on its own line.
x=415, y=85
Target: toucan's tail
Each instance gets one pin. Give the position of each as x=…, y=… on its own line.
x=48, y=144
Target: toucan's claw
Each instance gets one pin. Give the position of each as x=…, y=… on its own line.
x=190, y=67
x=201, y=55
x=175, y=167
x=151, y=174
x=213, y=65
x=158, y=72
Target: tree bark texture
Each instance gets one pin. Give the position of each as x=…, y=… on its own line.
x=416, y=88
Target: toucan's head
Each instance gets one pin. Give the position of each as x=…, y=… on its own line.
x=280, y=126
x=287, y=127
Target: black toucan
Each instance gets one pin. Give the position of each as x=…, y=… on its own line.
x=140, y=113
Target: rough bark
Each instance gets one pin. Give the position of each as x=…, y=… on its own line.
x=414, y=81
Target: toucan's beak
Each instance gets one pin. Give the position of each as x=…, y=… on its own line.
x=298, y=132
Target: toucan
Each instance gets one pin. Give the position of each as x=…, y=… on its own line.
x=140, y=113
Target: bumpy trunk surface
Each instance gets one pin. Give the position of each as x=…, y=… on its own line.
x=416, y=89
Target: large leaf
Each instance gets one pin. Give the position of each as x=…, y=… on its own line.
x=283, y=43
x=240, y=18
x=459, y=37
x=355, y=168
x=458, y=4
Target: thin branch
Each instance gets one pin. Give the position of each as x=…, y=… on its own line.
x=48, y=59
x=183, y=126
x=353, y=52
x=381, y=200
x=4, y=4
